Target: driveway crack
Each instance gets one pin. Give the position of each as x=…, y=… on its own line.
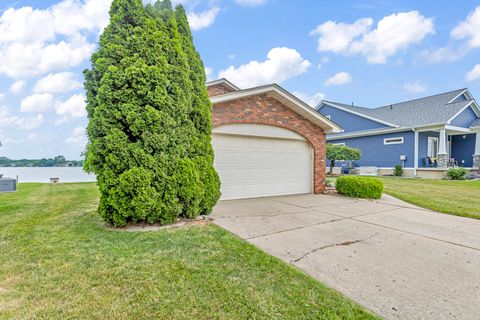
x=340, y=244
x=296, y=228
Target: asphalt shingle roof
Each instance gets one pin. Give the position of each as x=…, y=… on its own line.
x=419, y=112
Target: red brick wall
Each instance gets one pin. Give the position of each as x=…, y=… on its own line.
x=261, y=109
x=218, y=89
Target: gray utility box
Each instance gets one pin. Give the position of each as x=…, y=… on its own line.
x=7, y=184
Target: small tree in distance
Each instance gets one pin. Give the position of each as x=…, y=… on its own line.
x=336, y=152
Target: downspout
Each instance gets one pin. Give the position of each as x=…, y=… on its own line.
x=415, y=153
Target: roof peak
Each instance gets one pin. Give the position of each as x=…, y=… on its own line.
x=393, y=104
x=425, y=97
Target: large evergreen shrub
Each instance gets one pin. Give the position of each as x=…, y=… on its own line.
x=150, y=118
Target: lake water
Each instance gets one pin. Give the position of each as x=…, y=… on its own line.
x=27, y=174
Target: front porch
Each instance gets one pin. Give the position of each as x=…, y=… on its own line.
x=441, y=148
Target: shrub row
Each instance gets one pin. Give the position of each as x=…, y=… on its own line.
x=359, y=187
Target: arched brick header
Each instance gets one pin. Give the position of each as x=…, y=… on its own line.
x=262, y=109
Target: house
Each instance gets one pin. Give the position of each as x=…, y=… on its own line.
x=426, y=135
x=267, y=142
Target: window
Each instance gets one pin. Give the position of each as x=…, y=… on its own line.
x=432, y=147
x=396, y=140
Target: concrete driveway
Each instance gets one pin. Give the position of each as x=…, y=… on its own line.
x=400, y=261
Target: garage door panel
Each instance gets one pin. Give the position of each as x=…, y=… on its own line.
x=257, y=167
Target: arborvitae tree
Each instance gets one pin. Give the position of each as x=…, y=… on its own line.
x=153, y=163
x=200, y=113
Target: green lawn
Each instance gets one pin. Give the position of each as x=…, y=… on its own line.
x=461, y=198
x=58, y=261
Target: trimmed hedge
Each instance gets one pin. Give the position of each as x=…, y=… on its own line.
x=359, y=187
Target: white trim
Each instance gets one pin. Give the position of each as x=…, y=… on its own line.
x=224, y=82
x=429, y=147
x=339, y=144
x=388, y=141
x=461, y=129
x=367, y=133
x=464, y=91
x=358, y=114
x=442, y=145
x=258, y=130
x=463, y=109
x=477, y=144
x=415, y=154
x=283, y=96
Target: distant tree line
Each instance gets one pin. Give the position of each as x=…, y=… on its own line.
x=58, y=161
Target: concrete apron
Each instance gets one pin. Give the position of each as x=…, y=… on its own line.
x=398, y=260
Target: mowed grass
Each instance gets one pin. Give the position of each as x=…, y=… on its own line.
x=461, y=198
x=58, y=261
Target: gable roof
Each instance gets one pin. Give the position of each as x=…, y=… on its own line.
x=431, y=110
x=224, y=82
x=286, y=98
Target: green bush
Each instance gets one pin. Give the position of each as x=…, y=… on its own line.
x=398, y=171
x=456, y=173
x=359, y=187
x=150, y=118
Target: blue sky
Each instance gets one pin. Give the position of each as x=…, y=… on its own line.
x=371, y=53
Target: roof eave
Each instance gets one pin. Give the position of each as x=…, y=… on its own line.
x=359, y=114
x=224, y=82
x=286, y=98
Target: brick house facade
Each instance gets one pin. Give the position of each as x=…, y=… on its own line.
x=263, y=109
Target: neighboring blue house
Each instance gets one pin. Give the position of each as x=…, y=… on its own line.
x=425, y=135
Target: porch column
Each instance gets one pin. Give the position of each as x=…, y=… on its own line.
x=476, y=155
x=415, y=154
x=442, y=156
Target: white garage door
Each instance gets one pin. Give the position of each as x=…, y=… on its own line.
x=272, y=162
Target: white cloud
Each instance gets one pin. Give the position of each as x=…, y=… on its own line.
x=74, y=107
x=18, y=86
x=251, y=3
x=392, y=34
x=29, y=138
x=38, y=102
x=57, y=82
x=339, y=79
x=2, y=96
x=209, y=73
x=28, y=60
x=78, y=137
x=473, y=74
x=232, y=56
x=29, y=38
x=311, y=100
x=414, y=87
x=469, y=29
x=22, y=123
x=65, y=54
x=449, y=54
x=202, y=19
x=281, y=64
x=337, y=37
